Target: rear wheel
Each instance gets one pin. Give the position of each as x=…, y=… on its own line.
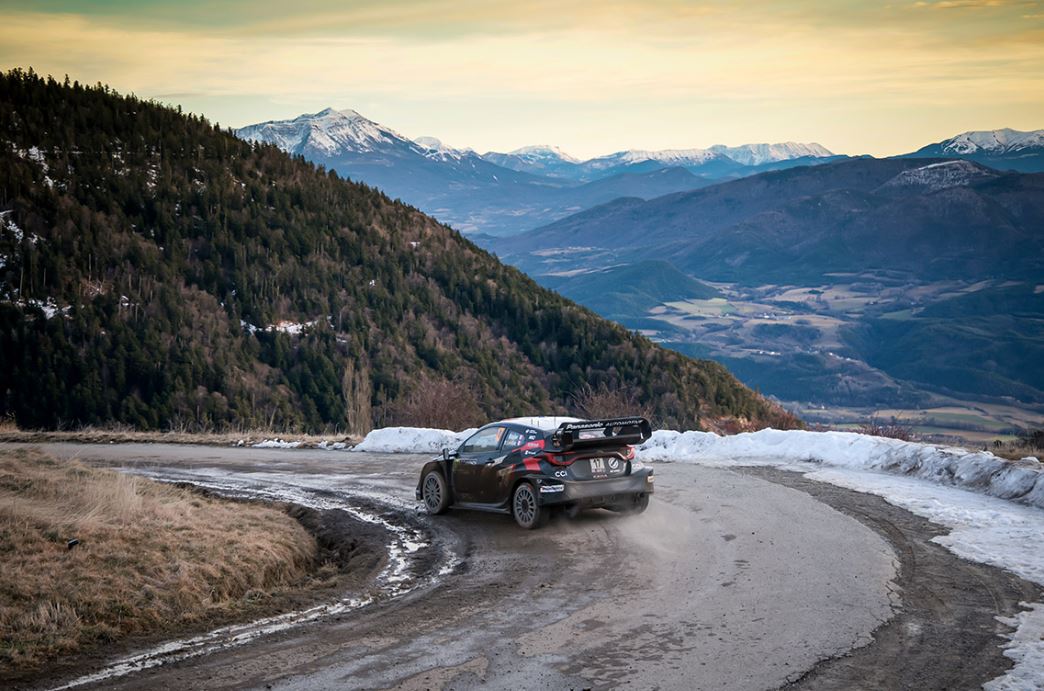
x=435, y=493
x=528, y=512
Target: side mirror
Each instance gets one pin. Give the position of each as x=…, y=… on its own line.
x=445, y=453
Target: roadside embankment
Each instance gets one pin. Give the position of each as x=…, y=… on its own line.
x=90, y=557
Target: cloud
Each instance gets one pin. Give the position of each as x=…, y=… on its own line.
x=970, y=4
x=672, y=73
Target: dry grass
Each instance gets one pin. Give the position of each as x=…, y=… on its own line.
x=9, y=432
x=152, y=557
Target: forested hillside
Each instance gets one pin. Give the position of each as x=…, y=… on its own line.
x=157, y=271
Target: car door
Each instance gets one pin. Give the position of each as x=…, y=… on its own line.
x=490, y=485
x=481, y=448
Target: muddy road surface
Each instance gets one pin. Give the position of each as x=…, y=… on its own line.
x=731, y=580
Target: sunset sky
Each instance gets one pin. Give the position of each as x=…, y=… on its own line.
x=591, y=76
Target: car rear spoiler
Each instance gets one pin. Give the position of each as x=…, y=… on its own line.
x=593, y=433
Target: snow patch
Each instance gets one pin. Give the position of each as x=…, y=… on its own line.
x=8, y=225
x=1026, y=648
x=939, y=176
x=412, y=440
x=277, y=444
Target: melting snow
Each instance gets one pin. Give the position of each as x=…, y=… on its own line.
x=976, y=470
x=412, y=440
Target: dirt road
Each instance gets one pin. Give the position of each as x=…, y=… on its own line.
x=731, y=580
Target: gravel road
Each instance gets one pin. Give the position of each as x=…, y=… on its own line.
x=731, y=580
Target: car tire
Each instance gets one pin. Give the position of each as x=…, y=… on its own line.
x=435, y=493
x=526, y=508
x=641, y=503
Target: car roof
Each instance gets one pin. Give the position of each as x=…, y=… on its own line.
x=545, y=423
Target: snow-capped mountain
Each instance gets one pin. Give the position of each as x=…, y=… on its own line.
x=760, y=154
x=1005, y=149
x=715, y=162
x=504, y=193
x=327, y=133
x=437, y=151
x=702, y=162
x=994, y=141
x=541, y=159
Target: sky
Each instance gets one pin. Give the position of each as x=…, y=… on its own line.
x=590, y=76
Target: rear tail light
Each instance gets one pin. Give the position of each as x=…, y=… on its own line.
x=629, y=454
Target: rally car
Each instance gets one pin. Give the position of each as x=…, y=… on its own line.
x=528, y=466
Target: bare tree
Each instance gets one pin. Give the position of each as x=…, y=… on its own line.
x=893, y=430
x=438, y=403
x=357, y=389
x=606, y=402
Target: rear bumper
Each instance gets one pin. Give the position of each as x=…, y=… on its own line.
x=596, y=492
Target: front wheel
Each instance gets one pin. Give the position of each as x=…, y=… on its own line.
x=435, y=493
x=528, y=512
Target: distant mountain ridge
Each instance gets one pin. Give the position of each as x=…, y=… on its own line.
x=944, y=219
x=1004, y=149
x=505, y=193
x=715, y=160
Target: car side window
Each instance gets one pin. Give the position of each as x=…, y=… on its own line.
x=483, y=440
x=513, y=440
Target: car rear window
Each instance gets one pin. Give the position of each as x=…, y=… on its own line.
x=513, y=439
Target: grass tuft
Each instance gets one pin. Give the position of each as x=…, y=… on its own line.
x=151, y=557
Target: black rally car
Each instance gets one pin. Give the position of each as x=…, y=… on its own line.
x=526, y=466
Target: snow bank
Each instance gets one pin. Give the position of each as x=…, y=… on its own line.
x=980, y=471
x=277, y=444
x=412, y=440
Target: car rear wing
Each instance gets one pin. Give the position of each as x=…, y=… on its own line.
x=594, y=433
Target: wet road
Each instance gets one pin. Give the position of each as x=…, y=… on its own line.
x=729, y=581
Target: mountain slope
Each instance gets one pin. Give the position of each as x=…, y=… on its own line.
x=1004, y=149
x=159, y=272
x=620, y=292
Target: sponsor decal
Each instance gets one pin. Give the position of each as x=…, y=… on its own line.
x=561, y=473
x=614, y=464
x=550, y=489
x=598, y=466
